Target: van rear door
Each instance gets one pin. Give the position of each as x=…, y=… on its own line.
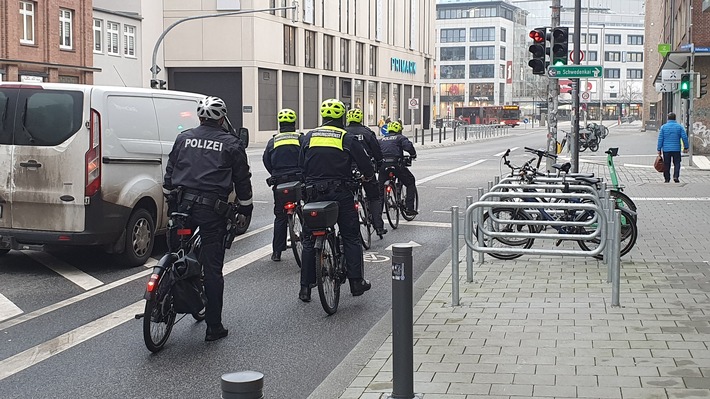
x=8, y=101
x=51, y=159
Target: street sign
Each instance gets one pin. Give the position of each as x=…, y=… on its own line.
x=575, y=71
x=525, y=121
x=671, y=75
x=702, y=49
x=413, y=103
x=664, y=49
x=585, y=95
x=666, y=87
x=155, y=69
x=581, y=56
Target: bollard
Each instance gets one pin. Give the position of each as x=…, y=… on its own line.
x=490, y=186
x=610, y=238
x=440, y=135
x=416, y=134
x=432, y=135
x=454, y=256
x=444, y=133
x=496, y=180
x=469, y=250
x=243, y=385
x=465, y=133
x=402, y=322
x=616, y=259
x=455, y=129
x=422, y=136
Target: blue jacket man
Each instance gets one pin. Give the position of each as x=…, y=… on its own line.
x=669, y=138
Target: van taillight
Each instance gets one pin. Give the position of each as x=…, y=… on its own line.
x=93, y=156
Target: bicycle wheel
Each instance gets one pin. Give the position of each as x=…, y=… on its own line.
x=366, y=229
x=295, y=231
x=623, y=201
x=158, y=320
x=327, y=276
x=594, y=145
x=403, y=206
x=629, y=234
x=501, y=227
x=391, y=205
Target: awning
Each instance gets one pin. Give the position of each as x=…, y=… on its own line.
x=677, y=60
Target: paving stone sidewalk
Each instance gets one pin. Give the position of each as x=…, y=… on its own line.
x=544, y=327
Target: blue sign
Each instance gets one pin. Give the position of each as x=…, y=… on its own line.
x=525, y=120
x=702, y=49
x=400, y=65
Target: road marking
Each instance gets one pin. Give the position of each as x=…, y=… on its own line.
x=88, y=294
x=632, y=165
x=447, y=188
x=7, y=308
x=672, y=199
x=428, y=224
x=253, y=232
x=447, y=212
x=438, y=175
x=500, y=154
x=71, y=273
x=45, y=350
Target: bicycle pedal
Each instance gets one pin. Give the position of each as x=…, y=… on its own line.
x=139, y=316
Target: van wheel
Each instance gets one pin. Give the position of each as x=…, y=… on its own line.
x=140, y=237
x=4, y=251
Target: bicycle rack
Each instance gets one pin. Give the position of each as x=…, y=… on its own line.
x=599, y=201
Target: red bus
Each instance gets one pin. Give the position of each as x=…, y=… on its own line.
x=489, y=115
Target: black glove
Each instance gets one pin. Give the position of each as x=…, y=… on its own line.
x=246, y=210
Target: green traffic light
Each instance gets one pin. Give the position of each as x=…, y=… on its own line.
x=559, y=62
x=684, y=86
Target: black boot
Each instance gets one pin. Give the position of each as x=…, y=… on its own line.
x=305, y=293
x=216, y=332
x=358, y=286
x=276, y=256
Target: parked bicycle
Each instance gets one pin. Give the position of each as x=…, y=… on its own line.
x=321, y=218
x=290, y=195
x=395, y=195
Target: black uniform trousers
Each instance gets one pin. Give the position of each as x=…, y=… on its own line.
x=349, y=229
x=213, y=229
x=280, y=225
x=405, y=176
x=374, y=199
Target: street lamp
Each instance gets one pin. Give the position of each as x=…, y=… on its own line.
x=155, y=69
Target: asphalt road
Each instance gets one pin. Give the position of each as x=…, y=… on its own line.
x=78, y=339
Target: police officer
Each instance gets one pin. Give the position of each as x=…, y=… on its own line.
x=372, y=146
x=203, y=166
x=393, y=147
x=281, y=161
x=326, y=159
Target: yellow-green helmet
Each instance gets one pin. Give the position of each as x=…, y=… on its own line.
x=287, y=115
x=394, y=127
x=332, y=108
x=354, y=115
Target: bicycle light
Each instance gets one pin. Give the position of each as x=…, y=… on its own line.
x=314, y=214
x=289, y=206
x=184, y=232
x=152, y=282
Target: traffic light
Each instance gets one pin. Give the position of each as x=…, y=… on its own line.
x=157, y=84
x=685, y=85
x=538, y=50
x=701, y=85
x=560, y=45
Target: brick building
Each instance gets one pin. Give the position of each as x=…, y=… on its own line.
x=48, y=41
x=683, y=22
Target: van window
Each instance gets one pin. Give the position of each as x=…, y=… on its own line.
x=132, y=117
x=48, y=117
x=5, y=119
x=174, y=116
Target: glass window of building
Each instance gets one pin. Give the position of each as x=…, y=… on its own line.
x=503, y=35
x=112, y=44
x=344, y=55
x=502, y=53
x=371, y=103
x=612, y=73
x=612, y=39
x=591, y=55
x=98, y=35
x=427, y=62
x=485, y=12
x=483, y=34
x=482, y=53
x=27, y=12
x=634, y=57
x=501, y=93
x=593, y=38
x=481, y=91
x=310, y=44
x=359, y=58
x=481, y=71
x=614, y=56
x=328, y=52
x=634, y=74
x=395, y=101
x=453, y=35
x=452, y=53
x=289, y=45
x=129, y=41
x=635, y=39
x=453, y=72
x=373, y=60
x=385, y=96
x=65, y=28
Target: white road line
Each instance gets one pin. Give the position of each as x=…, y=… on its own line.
x=447, y=212
x=427, y=224
x=633, y=165
x=7, y=308
x=71, y=273
x=438, y=175
x=672, y=199
x=56, y=306
x=500, y=154
x=447, y=188
x=45, y=350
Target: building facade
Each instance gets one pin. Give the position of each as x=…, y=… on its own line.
x=480, y=48
x=117, y=41
x=373, y=54
x=46, y=41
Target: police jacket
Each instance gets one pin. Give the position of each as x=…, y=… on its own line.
x=367, y=139
x=281, y=153
x=209, y=160
x=394, y=145
x=328, y=153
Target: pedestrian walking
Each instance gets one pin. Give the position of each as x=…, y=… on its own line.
x=669, y=138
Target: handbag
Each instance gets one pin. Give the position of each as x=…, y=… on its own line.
x=658, y=164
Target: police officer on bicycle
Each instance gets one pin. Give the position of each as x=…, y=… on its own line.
x=393, y=147
x=281, y=161
x=372, y=146
x=326, y=159
x=204, y=166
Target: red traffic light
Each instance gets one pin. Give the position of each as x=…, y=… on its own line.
x=538, y=35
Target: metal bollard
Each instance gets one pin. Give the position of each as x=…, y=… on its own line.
x=432, y=135
x=416, y=134
x=455, y=130
x=610, y=238
x=616, y=259
x=465, y=133
x=243, y=385
x=479, y=236
x=496, y=180
x=454, y=256
x=490, y=186
x=402, y=322
x=444, y=133
x=469, y=251
x=440, y=135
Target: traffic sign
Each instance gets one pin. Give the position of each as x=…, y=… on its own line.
x=581, y=56
x=671, y=75
x=413, y=103
x=575, y=71
x=525, y=121
x=585, y=95
x=664, y=49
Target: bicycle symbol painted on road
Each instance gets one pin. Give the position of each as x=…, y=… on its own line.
x=374, y=257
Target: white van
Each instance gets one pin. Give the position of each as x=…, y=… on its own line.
x=83, y=165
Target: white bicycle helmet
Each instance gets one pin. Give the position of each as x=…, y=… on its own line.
x=211, y=108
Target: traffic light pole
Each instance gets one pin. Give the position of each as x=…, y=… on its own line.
x=574, y=147
x=553, y=101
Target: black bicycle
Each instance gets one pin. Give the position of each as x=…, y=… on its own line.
x=290, y=195
x=363, y=211
x=395, y=195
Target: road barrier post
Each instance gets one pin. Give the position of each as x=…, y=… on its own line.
x=243, y=385
x=416, y=134
x=465, y=133
x=402, y=322
x=455, y=255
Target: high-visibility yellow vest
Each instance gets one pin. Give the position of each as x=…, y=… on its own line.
x=286, y=138
x=328, y=136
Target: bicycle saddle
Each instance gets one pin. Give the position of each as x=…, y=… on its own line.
x=587, y=179
x=564, y=167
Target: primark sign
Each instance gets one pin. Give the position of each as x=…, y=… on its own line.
x=404, y=66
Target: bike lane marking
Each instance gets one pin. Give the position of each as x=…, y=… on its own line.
x=39, y=353
x=448, y=172
x=69, y=272
x=500, y=154
x=88, y=294
x=8, y=308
